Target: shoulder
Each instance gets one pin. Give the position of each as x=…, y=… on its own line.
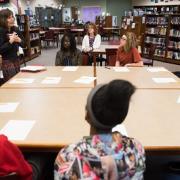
x=98, y=36
x=134, y=50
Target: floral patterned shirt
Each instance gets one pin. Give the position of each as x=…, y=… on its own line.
x=101, y=157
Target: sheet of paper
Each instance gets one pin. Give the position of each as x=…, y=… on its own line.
x=70, y=68
x=164, y=80
x=1, y=74
x=156, y=69
x=120, y=128
x=17, y=129
x=8, y=107
x=33, y=68
x=178, y=101
x=85, y=80
x=51, y=80
x=22, y=81
x=121, y=69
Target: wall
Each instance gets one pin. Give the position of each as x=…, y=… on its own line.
x=117, y=7
x=85, y=3
x=149, y=3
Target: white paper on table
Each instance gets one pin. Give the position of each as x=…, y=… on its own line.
x=156, y=69
x=164, y=80
x=85, y=80
x=33, y=68
x=22, y=81
x=51, y=80
x=17, y=129
x=178, y=101
x=1, y=74
x=8, y=107
x=70, y=68
x=120, y=128
x=121, y=69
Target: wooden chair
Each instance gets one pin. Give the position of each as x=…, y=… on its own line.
x=150, y=61
x=51, y=36
x=111, y=56
x=11, y=176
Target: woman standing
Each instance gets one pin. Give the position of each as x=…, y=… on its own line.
x=10, y=41
x=68, y=55
x=90, y=41
x=127, y=54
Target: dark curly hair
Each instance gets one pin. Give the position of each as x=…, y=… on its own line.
x=72, y=40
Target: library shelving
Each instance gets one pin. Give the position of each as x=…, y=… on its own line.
x=31, y=35
x=163, y=31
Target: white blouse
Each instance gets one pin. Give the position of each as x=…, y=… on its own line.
x=96, y=43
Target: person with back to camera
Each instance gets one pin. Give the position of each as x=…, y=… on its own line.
x=127, y=54
x=92, y=40
x=10, y=41
x=104, y=154
x=68, y=55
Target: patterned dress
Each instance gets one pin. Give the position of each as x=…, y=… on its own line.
x=101, y=157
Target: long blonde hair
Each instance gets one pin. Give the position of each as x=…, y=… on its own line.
x=131, y=41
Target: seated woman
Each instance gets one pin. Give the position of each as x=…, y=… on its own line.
x=92, y=40
x=68, y=55
x=12, y=160
x=104, y=155
x=127, y=54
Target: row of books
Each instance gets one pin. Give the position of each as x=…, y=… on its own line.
x=173, y=55
x=34, y=36
x=158, y=52
x=175, y=20
x=157, y=20
x=157, y=30
x=174, y=44
x=154, y=40
x=174, y=33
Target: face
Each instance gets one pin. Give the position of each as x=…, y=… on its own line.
x=123, y=40
x=66, y=43
x=91, y=30
x=10, y=21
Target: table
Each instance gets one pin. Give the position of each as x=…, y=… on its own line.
x=139, y=76
x=53, y=71
x=153, y=117
x=59, y=115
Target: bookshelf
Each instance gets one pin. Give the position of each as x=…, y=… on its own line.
x=163, y=31
x=173, y=45
x=31, y=36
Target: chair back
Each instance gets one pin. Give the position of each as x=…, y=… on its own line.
x=49, y=35
x=111, y=56
x=11, y=176
x=152, y=49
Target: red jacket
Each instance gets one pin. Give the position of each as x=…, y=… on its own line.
x=12, y=160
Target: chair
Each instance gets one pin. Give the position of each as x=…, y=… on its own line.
x=51, y=36
x=149, y=61
x=111, y=56
x=11, y=176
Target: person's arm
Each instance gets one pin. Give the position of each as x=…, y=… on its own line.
x=117, y=64
x=4, y=45
x=58, y=61
x=12, y=160
x=85, y=43
x=137, y=61
x=97, y=42
x=20, y=38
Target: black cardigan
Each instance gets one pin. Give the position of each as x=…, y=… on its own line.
x=9, y=51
